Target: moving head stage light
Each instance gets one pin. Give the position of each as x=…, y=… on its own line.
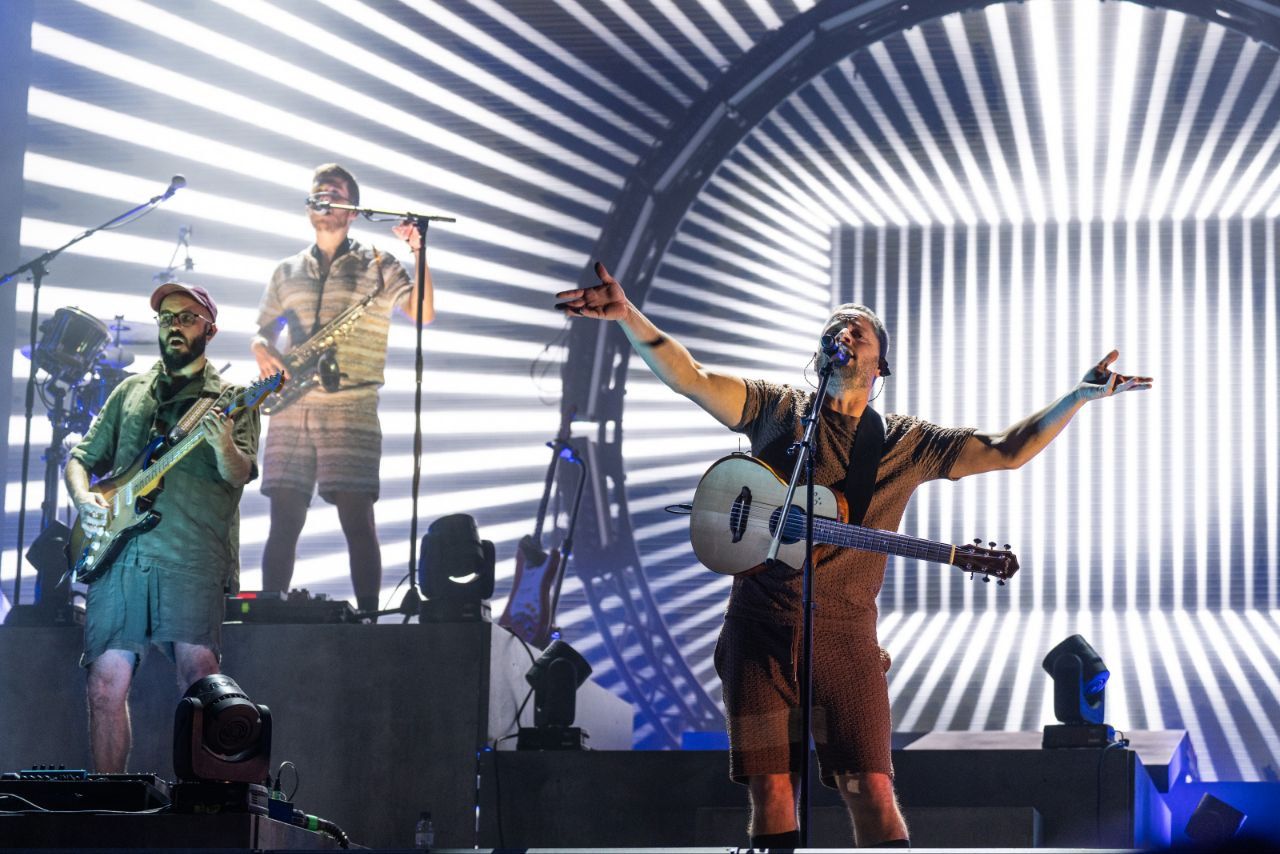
x=455, y=571
x=1079, y=683
x=220, y=735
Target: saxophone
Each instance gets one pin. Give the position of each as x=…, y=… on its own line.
x=314, y=362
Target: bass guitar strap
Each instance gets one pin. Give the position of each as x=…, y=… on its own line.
x=864, y=461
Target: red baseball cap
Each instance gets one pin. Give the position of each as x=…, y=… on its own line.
x=196, y=292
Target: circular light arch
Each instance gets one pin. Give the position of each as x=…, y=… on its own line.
x=645, y=217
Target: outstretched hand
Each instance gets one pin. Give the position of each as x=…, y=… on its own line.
x=1101, y=381
x=605, y=301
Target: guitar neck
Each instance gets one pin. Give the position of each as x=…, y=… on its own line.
x=883, y=542
x=147, y=478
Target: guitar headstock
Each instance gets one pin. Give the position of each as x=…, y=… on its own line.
x=987, y=561
x=252, y=396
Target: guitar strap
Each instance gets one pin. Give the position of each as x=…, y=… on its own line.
x=188, y=422
x=864, y=461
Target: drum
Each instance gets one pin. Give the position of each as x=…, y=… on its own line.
x=88, y=398
x=70, y=342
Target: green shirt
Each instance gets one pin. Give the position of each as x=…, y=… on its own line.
x=199, y=529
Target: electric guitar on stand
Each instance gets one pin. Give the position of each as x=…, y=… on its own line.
x=131, y=491
x=535, y=592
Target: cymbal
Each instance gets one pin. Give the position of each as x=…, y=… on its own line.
x=116, y=357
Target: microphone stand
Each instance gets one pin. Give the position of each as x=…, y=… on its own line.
x=412, y=603
x=804, y=669
x=39, y=268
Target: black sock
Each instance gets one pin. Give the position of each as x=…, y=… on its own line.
x=892, y=843
x=789, y=839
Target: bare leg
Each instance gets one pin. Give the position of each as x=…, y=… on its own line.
x=355, y=512
x=873, y=807
x=110, y=737
x=288, y=515
x=773, y=803
x=194, y=663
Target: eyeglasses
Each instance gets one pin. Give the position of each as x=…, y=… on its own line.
x=165, y=319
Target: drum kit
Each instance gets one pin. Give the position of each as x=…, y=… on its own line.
x=83, y=360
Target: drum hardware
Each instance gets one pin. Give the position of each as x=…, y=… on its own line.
x=37, y=268
x=74, y=384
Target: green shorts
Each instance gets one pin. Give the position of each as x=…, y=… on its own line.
x=136, y=606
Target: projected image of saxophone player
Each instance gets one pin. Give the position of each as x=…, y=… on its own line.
x=329, y=439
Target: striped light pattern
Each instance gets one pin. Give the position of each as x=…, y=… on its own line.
x=1017, y=189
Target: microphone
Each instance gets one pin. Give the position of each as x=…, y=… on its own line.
x=836, y=350
x=176, y=183
x=318, y=203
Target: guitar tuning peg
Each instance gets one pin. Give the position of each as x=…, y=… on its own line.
x=971, y=576
x=986, y=579
x=977, y=541
x=992, y=544
x=1000, y=583
x=1007, y=547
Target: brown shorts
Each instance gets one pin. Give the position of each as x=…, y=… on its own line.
x=851, y=719
x=337, y=448
x=135, y=606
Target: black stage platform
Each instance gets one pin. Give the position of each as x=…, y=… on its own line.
x=385, y=721
x=951, y=797
x=382, y=721
x=78, y=832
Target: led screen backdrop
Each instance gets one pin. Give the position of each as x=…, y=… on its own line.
x=1017, y=189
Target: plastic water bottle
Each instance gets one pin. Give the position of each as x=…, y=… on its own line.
x=424, y=832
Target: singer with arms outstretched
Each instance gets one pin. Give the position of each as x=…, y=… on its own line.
x=760, y=638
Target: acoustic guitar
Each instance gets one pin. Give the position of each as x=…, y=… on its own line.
x=738, y=506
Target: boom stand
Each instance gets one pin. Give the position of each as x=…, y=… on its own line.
x=804, y=669
x=413, y=597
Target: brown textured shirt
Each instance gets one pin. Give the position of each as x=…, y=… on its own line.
x=301, y=299
x=846, y=581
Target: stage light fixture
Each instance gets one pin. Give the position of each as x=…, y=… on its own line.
x=1213, y=822
x=455, y=571
x=555, y=678
x=220, y=735
x=1079, y=684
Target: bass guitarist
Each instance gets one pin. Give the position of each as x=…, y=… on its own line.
x=167, y=585
x=331, y=438
x=755, y=656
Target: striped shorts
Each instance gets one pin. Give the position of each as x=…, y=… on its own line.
x=851, y=719
x=335, y=448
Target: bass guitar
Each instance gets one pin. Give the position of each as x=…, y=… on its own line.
x=131, y=491
x=738, y=506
